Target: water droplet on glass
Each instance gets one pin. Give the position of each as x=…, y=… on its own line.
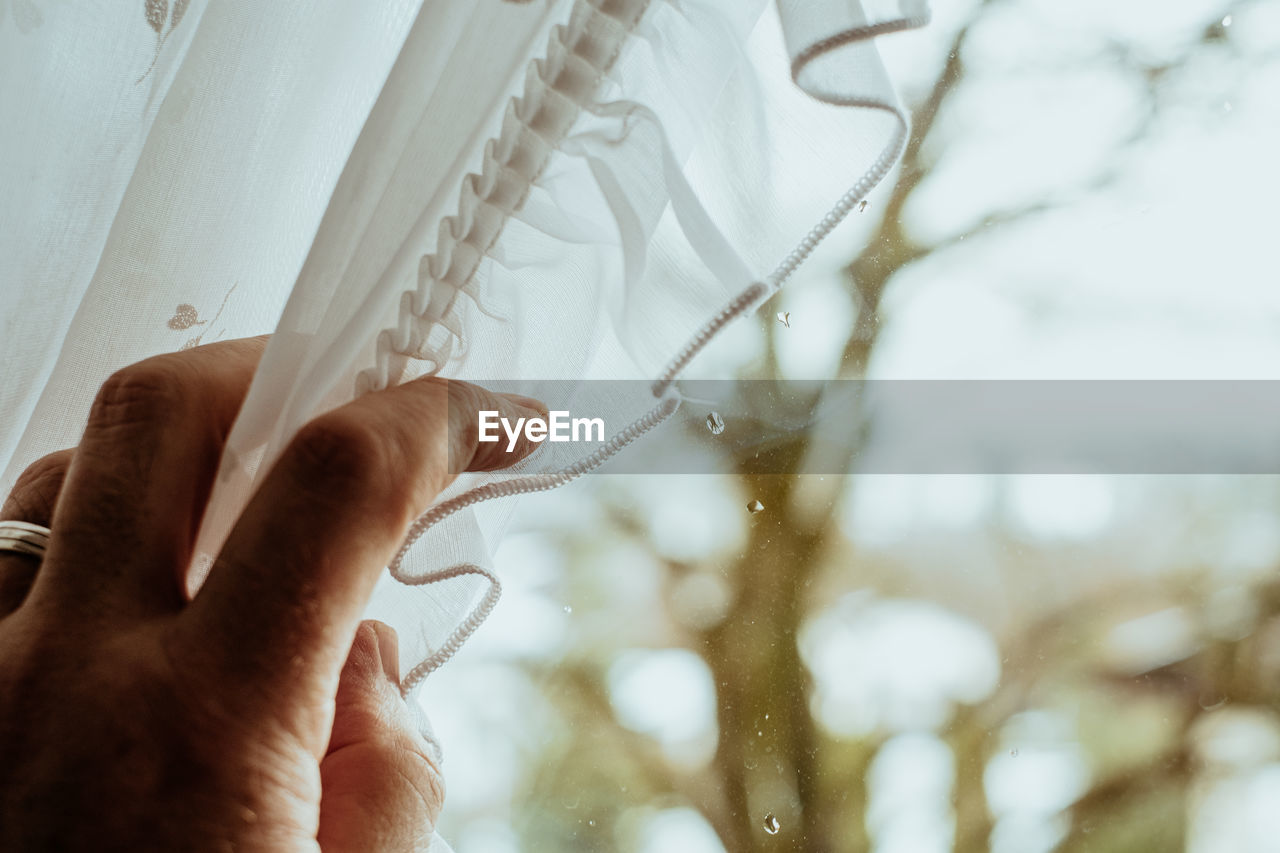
x=715, y=423
x=591, y=823
x=754, y=507
x=568, y=609
x=1226, y=22
x=750, y=764
x=771, y=824
x=862, y=205
x=1013, y=753
x=784, y=317
x=1226, y=106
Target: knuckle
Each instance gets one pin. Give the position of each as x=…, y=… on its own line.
x=465, y=401
x=36, y=490
x=50, y=467
x=419, y=425
x=340, y=453
x=141, y=393
x=438, y=385
x=465, y=398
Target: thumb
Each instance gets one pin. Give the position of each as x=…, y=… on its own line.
x=382, y=789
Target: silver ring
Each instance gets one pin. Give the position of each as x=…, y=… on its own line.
x=24, y=538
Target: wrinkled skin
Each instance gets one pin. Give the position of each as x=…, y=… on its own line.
x=262, y=714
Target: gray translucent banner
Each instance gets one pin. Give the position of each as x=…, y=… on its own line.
x=926, y=427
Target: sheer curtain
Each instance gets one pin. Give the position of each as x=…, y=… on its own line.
x=491, y=190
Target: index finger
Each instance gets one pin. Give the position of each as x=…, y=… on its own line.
x=300, y=564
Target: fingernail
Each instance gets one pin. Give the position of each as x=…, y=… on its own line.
x=388, y=650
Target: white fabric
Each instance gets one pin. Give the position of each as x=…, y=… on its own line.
x=484, y=189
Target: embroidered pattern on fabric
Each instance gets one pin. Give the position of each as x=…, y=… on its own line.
x=185, y=316
x=159, y=13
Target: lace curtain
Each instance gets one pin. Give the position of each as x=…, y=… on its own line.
x=556, y=189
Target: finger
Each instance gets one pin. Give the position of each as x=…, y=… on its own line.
x=382, y=789
x=135, y=493
x=32, y=500
x=299, y=566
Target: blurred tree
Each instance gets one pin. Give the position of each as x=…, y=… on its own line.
x=772, y=759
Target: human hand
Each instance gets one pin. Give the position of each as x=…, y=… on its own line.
x=261, y=715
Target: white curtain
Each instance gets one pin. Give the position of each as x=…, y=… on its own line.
x=492, y=190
